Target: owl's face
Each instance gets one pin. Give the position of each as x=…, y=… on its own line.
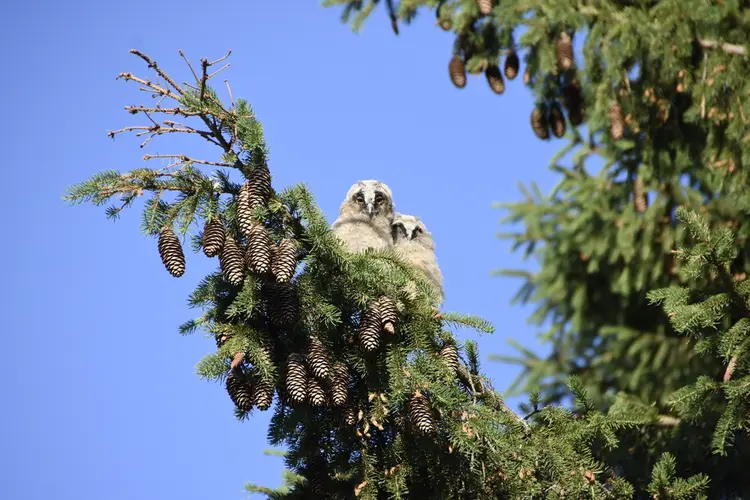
x=371, y=197
x=407, y=227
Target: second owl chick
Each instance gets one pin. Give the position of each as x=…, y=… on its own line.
x=411, y=238
x=365, y=217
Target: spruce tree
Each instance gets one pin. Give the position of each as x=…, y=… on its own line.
x=414, y=418
x=653, y=103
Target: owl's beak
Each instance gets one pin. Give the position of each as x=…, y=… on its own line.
x=370, y=207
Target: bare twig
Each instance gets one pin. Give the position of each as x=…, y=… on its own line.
x=154, y=87
x=189, y=65
x=238, y=358
x=728, y=48
x=229, y=53
x=152, y=64
x=229, y=89
x=218, y=71
x=187, y=159
x=167, y=111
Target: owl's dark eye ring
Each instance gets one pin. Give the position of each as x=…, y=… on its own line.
x=379, y=199
x=360, y=199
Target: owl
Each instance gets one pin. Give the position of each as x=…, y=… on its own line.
x=415, y=243
x=365, y=217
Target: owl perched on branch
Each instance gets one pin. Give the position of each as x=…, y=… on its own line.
x=365, y=217
x=411, y=238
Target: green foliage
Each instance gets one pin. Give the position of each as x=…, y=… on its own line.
x=708, y=314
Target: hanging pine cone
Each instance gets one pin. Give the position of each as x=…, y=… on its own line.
x=485, y=7
x=213, y=237
x=239, y=391
x=445, y=24
x=317, y=358
x=639, y=196
x=315, y=393
x=388, y=313
x=170, y=252
x=539, y=123
x=340, y=384
x=556, y=120
x=369, y=330
x=512, y=64
x=296, y=379
x=495, y=79
x=282, y=303
x=616, y=121
x=349, y=415
x=259, y=180
x=259, y=245
x=573, y=100
x=457, y=72
x=262, y=393
x=232, y=263
x=284, y=261
x=244, y=212
x=564, y=52
x=421, y=413
x=449, y=353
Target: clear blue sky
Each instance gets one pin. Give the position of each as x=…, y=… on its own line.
x=98, y=391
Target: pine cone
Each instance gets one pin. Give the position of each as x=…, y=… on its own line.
x=495, y=79
x=259, y=180
x=213, y=237
x=340, y=384
x=511, y=65
x=170, y=252
x=369, y=329
x=457, y=72
x=315, y=392
x=282, y=303
x=388, y=313
x=616, y=121
x=573, y=100
x=564, y=52
x=317, y=358
x=539, y=123
x=639, y=197
x=557, y=120
x=244, y=212
x=239, y=391
x=449, y=353
x=284, y=261
x=296, y=379
x=259, y=245
x=445, y=24
x=421, y=414
x=349, y=415
x=262, y=393
x=485, y=7
x=232, y=265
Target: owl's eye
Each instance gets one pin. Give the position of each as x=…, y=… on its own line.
x=360, y=199
x=416, y=231
x=379, y=199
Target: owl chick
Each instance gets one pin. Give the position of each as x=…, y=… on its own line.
x=365, y=217
x=411, y=238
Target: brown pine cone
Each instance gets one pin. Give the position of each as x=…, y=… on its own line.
x=557, y=120
x=239, y=391
x=259, y=248
x=421, y=413
x=495, y=79
x=317, y=358
x=388, y=313
x=340, y=384
x=170, y=251
x=282, y=303
x=539, y=123
x=369, y=330
x=457, y=72
x=512, y=64
x=564, y=52
x=296, y=379
x=315, y=393
x=213, y=237
x=232, y=263
x=284, y=260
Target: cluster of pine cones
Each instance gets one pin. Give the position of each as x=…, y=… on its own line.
x=457, y=72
